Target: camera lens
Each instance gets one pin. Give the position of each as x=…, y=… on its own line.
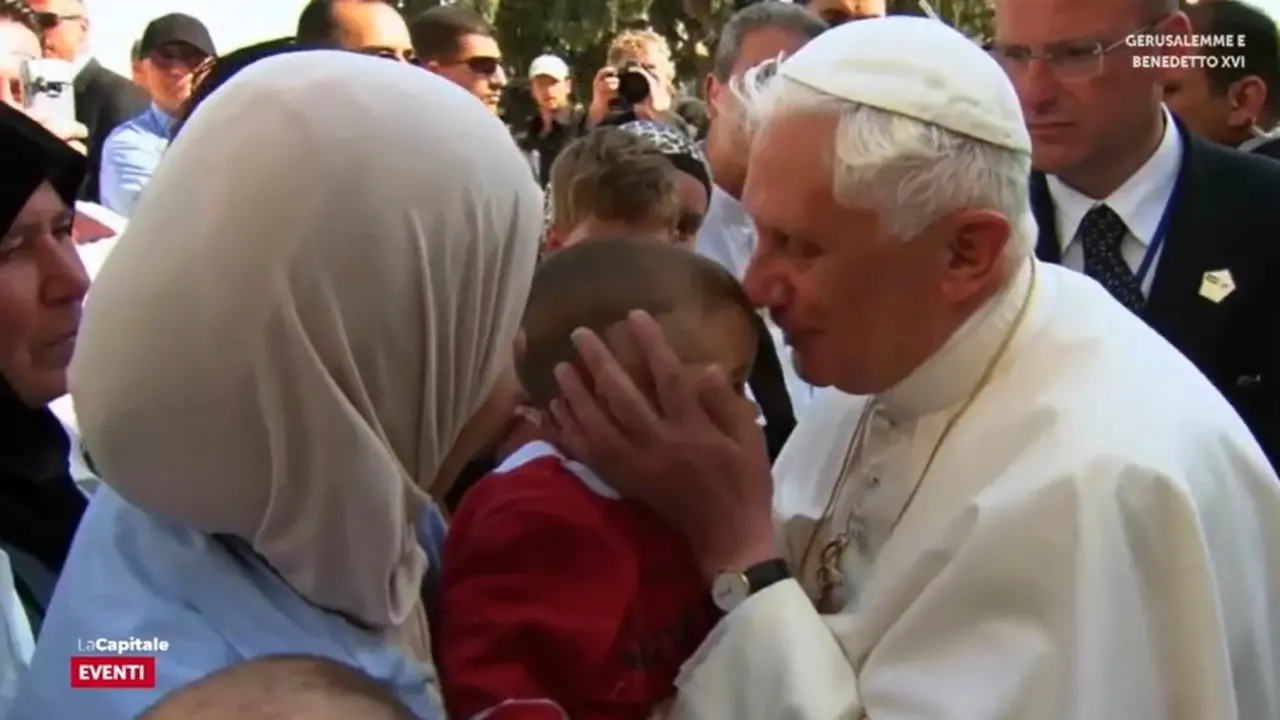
x=633, y=85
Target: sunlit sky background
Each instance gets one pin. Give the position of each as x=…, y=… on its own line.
x=1271, y=6
x=233, y=23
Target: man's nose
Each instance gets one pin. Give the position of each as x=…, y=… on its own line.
x=499, y=78
x=1037, y=86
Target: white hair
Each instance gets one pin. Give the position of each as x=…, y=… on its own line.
x=908, y=171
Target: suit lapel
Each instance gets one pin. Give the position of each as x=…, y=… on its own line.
x=1175, y=308
x=1048, y=249
x=84, y=78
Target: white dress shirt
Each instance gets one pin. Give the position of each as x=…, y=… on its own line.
x=728, y=234
x=1140, y=202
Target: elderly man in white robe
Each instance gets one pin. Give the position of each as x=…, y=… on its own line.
x=1014, y=501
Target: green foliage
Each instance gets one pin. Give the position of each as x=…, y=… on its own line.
x=972, y=17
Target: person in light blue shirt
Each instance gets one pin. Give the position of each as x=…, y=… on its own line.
x=172, y=48
x=274, y=395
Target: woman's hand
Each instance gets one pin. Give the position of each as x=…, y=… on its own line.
x=698, y=459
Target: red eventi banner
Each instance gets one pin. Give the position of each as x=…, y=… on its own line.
x=105, y=672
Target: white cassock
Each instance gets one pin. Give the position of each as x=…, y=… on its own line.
x=1098, y=538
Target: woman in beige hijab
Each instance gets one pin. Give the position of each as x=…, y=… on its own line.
x=305, y=332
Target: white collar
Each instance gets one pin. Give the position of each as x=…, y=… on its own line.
x=1140, y=201
x=954, y=370
x=80, y=63
x=538, y=449
x=167, y=120
x=725, y=209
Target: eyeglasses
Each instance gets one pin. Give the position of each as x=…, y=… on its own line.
x=50, y=20
x=1067, y=61
x=480, y=65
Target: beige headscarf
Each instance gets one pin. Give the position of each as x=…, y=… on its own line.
x=319, y=288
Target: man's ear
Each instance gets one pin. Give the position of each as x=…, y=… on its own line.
x=711, y=91
x=976, y=242
x=1248, y=97
x=431, y=66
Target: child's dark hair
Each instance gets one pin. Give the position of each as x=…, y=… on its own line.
x=596, y=283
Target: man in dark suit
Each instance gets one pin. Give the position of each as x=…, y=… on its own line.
x=1178, y=229
x=103, y=98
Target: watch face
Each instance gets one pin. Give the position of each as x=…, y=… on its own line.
x=729, y=590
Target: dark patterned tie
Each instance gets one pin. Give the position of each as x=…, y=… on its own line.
x=1101, y=234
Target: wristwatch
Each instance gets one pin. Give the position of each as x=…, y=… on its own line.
x=732, y=587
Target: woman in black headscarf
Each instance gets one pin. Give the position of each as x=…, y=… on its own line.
x=42, y=285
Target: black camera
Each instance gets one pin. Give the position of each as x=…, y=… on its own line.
x=633, y=84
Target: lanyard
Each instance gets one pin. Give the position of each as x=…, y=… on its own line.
x=1162, y=229
x=1153, y=249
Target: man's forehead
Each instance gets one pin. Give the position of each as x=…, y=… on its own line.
x=1052, y=21
x=473, y=45
x=855, y=8
x=766, y=43
x=789, y=167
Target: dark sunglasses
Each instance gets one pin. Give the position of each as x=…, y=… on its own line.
x=168, y=56
x=51, y=20
x=480, y=64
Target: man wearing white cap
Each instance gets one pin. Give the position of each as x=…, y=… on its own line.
x=557, y=122
x=1013, y=502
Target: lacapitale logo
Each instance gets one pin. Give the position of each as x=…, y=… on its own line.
x=121, y=646
x=102, y=672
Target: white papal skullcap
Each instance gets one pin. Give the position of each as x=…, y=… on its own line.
x=919, y=68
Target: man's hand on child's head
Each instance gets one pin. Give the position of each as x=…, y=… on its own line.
x=697, y=458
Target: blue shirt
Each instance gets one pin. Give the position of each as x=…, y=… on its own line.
x=129, y=156
x=131, y=575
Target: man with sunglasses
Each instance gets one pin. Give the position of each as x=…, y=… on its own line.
x=1178, y=229
x=456, y=43
x=173, y=47
x=104, y=100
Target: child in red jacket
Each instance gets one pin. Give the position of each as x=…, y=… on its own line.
x=559, y=599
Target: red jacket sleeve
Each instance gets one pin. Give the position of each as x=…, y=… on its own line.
x=534, y=590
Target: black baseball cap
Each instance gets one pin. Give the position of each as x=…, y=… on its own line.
x=176, y=27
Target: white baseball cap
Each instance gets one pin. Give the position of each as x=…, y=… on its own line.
x=549, y=65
